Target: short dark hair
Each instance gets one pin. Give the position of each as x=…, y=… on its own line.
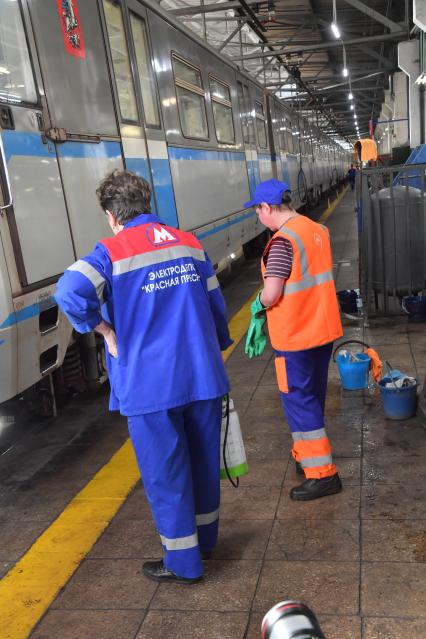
x=285, y=201
x=125, y=195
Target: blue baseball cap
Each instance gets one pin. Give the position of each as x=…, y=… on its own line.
x=269, y=191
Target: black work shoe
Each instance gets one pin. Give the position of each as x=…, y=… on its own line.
x=299, y=468
x=206, y=554
x=315, y=488
x=157, y=571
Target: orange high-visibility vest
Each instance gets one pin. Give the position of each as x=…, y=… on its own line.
x=307, y=315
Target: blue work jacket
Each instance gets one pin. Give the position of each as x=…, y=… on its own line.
x=157, y=287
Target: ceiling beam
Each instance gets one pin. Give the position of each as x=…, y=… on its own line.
x=231, y=35
x=211, y=8
x=288, y=82
x=372, y=13
x=396, y=35
x=352, y=80
x=377, y=56
x=213, y=19
x=339, y=84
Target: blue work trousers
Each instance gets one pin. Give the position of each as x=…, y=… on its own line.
x=302, y=380
x=178, y=453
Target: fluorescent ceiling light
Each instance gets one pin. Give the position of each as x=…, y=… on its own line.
x=335, y=30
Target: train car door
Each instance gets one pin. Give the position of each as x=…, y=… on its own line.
x=247, y=123
x=37, y=217
x=263, y=150
x=274, y=136
x=8, y=332
x=286, y=144
x=83, y=124
x=143, y=138
x=147, y=95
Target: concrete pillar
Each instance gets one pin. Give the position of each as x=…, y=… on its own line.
x=408, y=61
x=400, y=91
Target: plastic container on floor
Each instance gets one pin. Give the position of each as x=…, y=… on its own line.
x=353, y=372
x=398, y=403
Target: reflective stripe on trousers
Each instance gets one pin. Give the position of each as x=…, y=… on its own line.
x=178, y=455
x=306, y=373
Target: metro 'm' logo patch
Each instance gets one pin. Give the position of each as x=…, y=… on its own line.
x=158, y=235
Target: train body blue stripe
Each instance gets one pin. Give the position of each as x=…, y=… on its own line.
x=164, y=191
x=21, y=315
x=89, y=150
x=182, y=153
x=26, y=143
x=221, y=227
x=253, y=174
x=140, y=166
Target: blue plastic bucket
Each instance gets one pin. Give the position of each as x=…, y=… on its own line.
x=354, y=375
x=398, y=403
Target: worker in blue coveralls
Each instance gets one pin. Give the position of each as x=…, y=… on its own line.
x=151, y=291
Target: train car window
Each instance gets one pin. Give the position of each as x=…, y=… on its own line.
x=260, y=124
x=191, y=100
x=120, y=60
x=145, y=74
x=249, y=114
x=16, y=75
x=222, y=111
x=243, y=114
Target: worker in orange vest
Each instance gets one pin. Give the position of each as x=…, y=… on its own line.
x=300, y=306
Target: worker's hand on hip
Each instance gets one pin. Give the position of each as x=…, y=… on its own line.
x=111, y=341
x=108, y=333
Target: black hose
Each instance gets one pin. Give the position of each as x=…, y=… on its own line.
x=305, y=186
x=225, y=439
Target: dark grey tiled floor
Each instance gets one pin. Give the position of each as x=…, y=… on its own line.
x=357, y=558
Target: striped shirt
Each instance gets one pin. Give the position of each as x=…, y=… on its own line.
x=279, y=259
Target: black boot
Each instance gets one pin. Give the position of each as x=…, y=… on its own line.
x=315, y=488
x=157, y=571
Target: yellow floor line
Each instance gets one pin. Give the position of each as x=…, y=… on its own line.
x=29, y=588
x=328, y=211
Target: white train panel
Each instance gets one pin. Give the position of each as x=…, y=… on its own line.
x=83, y=166
x=200, y=198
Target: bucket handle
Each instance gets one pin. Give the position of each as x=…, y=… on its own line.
x=349, y=341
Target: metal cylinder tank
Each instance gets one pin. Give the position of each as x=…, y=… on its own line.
x=397, y=240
